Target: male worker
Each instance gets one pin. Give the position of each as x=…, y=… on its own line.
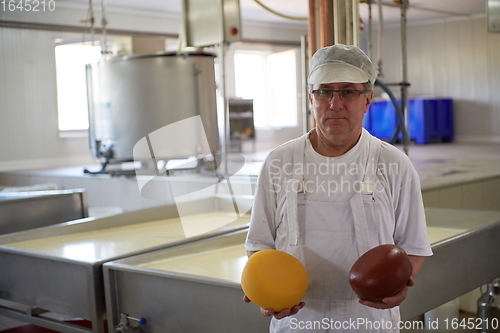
x=334, y=193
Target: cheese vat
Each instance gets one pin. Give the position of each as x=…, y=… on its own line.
x=33, y=209
x=59, y=268
x=460, y=263
x=195, y=287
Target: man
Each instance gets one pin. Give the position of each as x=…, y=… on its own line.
x=334, y=193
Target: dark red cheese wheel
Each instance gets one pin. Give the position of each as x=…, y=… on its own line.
x=380, y=272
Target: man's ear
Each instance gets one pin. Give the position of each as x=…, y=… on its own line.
x=368, y=100
x=369, y=97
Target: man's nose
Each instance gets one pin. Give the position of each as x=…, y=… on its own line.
x=336, y=99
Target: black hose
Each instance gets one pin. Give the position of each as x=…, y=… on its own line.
x=399, y=113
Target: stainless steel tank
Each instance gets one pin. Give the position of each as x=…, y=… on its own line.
x=34, y=209
x=45, y=269
x=131, y=97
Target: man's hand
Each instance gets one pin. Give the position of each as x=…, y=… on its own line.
x=278, y=315
x=392, y=301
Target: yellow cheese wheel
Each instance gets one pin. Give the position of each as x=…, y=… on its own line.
x=274, y=280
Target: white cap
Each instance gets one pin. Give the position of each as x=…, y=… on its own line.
x=341, y=63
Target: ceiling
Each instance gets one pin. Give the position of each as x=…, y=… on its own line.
x=419, y=11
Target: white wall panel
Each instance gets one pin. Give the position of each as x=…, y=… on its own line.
x=456, y=59
x=28, y=104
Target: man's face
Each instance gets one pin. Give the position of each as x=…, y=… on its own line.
x=340, y=117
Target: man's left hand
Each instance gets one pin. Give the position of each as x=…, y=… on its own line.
x=392, y=301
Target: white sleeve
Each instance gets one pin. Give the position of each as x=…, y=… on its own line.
x=262, y=231
x=411, y=230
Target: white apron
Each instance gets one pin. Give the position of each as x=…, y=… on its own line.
x=329, y=239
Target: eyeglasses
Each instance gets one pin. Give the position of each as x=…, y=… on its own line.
x=346, y=95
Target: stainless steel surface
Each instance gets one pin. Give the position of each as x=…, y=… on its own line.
x=493, y=13
x=460, y=264
x=211, y=22
x=466, y=250
x=173, y=301
x=27, y=210
x=131, y=97
x=60, y=282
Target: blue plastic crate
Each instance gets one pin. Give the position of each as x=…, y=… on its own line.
x=381, y=119
x=446, y=120
x=430, y=120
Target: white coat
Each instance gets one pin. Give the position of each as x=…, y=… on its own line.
x=328, y=251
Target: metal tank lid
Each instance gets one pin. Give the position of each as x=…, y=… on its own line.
x=161, y=54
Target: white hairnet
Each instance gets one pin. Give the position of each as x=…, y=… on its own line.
x=341, y=63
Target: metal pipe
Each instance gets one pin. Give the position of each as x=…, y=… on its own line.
x=312, y=42
x=404, y=70
x=78, y=29
x=336, y=25
x=370, y=30
x=355, y=23
x=304, y=69
x=325, y=21
x=311, y=29
x=121, y=32
x=92, y=22
x=349, y=25
x=225, y=108
x=380, y=47
x=104, y=23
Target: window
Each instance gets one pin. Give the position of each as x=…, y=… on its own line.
x=270, y=79
x=72, y=85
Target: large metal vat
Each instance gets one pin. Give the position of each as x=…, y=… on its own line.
x=461, y=262
x=59, y=268
x=27, y=210
x=196, y=288
x=131, y=97
x=175, y=289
